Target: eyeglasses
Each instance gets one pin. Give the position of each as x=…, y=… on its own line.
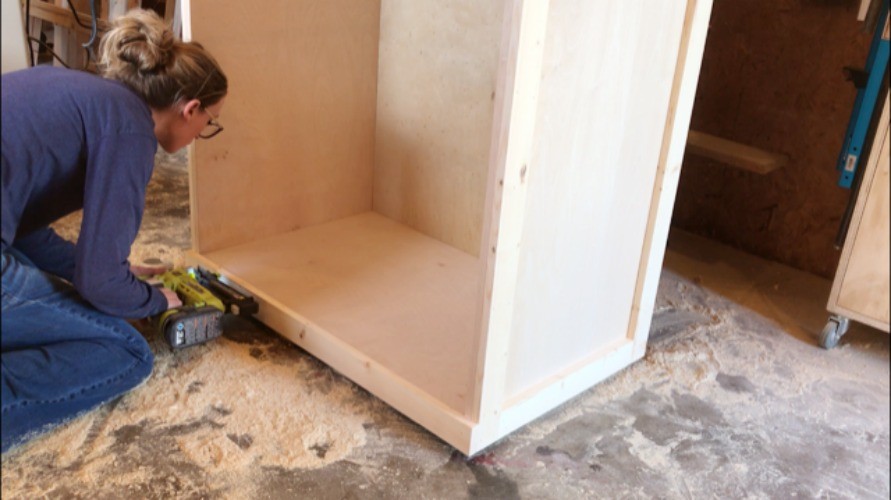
x=213, y=126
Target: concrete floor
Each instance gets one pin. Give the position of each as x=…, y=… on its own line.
x=734, y=399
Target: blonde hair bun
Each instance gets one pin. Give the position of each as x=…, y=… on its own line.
x=140, y=51
x=139, y=39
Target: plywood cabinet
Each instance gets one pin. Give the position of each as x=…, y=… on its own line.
x=863, y=280
x=461, y=205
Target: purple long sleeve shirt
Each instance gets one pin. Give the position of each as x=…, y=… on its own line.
x=73, y=140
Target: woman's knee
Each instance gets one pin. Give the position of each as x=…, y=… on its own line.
x=139, y=348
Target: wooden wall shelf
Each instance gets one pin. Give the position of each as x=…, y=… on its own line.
x=734, y=153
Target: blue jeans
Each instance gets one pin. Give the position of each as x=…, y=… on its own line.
x=60, y=356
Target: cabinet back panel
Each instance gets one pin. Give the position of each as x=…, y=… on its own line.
x=298, y=148
x=436, y=84
x=606, y=82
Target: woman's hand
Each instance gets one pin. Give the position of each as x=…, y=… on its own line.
x=150, y=270
x=172, y=299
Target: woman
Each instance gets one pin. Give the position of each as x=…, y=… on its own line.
x=73, y=140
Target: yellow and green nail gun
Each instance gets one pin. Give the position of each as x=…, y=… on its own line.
x=206, y=297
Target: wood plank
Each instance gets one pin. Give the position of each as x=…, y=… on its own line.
x=686, y=80
x=117, y=8
x=557, y=389
x=64, y=41
x=864, y=8
x=60, y=16
x=298, y=148
x=403, y=300
x=516, y=103
x=862, y=288
x=436, y=81
x=735, y=154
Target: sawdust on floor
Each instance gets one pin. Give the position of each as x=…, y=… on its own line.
x=230, y=409
x=225, y=410
x=713, y=343
x=709, y=365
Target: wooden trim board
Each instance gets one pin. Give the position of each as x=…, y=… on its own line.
x=62, y=17
x=668, y=174
x=523, y=39
x=863, y=9
x=557, y=390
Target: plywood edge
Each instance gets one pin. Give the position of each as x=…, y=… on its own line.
x=692, y=47
x=516, y=102
x=553, y=392
x=414, y=403
x=185, y=10
x=193, y=198
x=861, y=318
x=558, y=378
x=734, y=153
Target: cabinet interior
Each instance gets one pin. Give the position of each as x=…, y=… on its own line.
x=348, y=187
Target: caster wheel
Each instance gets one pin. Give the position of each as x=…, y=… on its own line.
x=833, y=331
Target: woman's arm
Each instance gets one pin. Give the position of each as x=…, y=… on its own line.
x=49, y=252
x=118, y=170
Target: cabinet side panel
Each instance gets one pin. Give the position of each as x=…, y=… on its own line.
x=864, y=269
x=606, y=84
x=436, y=82
x=298, y=148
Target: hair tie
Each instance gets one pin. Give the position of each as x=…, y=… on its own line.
x=135, y=38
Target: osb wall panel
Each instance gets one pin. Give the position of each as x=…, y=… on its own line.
x=772, y=78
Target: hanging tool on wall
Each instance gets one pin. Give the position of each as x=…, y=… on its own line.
x=869, y=82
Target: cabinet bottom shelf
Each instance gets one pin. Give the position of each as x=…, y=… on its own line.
x=404, y=303
x=396, y=312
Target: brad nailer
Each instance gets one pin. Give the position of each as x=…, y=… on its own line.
x=206, y=297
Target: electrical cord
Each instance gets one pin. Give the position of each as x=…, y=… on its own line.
x=77, y=16
x=93, y=30
x=93, y=27
x=47, y=47
x=28, y=29
x=95, y=23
